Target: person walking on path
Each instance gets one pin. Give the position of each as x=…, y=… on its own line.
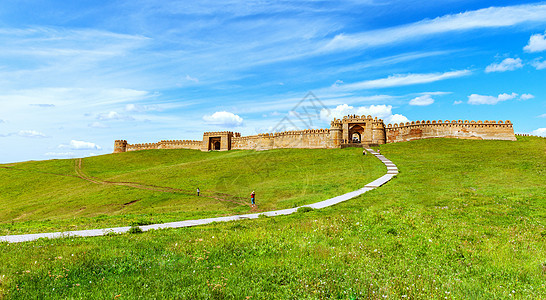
x=198, y=191
x=253, y=198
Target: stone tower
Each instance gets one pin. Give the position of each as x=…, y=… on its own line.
x=120, y=146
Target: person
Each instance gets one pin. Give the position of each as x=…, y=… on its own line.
x=378, y=150
x=198, y=191
x=253, y=198
x=364, y=152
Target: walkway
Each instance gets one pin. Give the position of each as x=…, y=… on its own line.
x=392, y=170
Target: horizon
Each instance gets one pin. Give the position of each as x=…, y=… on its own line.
x=78, y=76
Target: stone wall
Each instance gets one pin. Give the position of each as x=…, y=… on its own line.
x=371, y=130
x=311, y=138
x=171, y=144
x=486, y=130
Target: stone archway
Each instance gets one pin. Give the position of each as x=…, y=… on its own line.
x=355, y=133
x=356, y=137
x=216, y=145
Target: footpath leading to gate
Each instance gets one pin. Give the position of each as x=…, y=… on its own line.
x=392, y=171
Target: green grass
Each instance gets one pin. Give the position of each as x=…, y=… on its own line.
x=463, y=220
x=48, y=196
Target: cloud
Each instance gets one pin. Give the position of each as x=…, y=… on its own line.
x=223, y=118
x=508, y=64
x=30, y=134
x=491, y=100
x=43, y=105
x=60, y=154
x=189, y=78
x=422, y=100
x=140, y=108
x=112, y=115
x=380, y=111
x=457, y=102
x=537, y=43
x=402, y=80
x=81, y=145
x=526, y=97
x=2, y=121
x=493, y=17
x=539, y=132
x=98, y=125
x=541, y=116
x=539, y=65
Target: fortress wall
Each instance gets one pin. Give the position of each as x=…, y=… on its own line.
x=486, y=130
x=312, y=138
x=143, y=146
x=172, y=144
x=180, y=144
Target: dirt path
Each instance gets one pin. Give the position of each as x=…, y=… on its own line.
x=78, y=168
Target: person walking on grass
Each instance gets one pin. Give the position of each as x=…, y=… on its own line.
x=198, y=191
x=253, y=198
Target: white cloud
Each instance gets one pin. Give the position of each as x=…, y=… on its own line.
x=539, y=65
x=493, y=17
x=508, y=64
x=112, y=115
x=537, y=43
x=30, y=134
x=542, y=116
x=2, y=121
x=189, y=78
x=401, y=80
x=380, y=111
x=81, y=145
x=44, y=105
x=526, y=96
x=539, y=132
x=98, y=125
x=141, y=108
x=491, y=100
x=60, y=154
x=457, y=102
x=422, y=100
x=223, y=118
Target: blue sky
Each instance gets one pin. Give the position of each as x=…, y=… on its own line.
x=76, y=75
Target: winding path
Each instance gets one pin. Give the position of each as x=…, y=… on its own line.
x=392, y=171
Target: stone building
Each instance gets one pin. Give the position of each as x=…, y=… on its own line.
x=351, y=131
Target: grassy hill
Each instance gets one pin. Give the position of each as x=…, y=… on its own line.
x=160, y=186
x=463, y=219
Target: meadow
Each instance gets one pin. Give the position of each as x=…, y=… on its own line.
x=155, y=186
x=463, y=219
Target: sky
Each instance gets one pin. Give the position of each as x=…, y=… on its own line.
x=77, y=75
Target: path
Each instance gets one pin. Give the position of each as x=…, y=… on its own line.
x=392, y=171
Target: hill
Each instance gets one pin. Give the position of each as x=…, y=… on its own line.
x=463, y=219
x=150, y=186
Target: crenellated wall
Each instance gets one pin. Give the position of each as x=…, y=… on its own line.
x=123, y=146
x=310, y=138
x=351, y=131
x=486, y=130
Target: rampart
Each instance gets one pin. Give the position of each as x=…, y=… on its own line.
x=486, y=130
x=310, y=138
x=351, y=131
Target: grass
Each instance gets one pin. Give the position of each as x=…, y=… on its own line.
x=463, y=219
x=49, y=196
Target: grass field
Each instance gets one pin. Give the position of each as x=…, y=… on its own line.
x=49, y=195
x=463, y=220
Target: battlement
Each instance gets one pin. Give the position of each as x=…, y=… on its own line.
x=219, y=133
x=351, y=129
x=454, y=122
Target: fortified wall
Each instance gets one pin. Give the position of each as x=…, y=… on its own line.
x=486, y=130
x=351, y=131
